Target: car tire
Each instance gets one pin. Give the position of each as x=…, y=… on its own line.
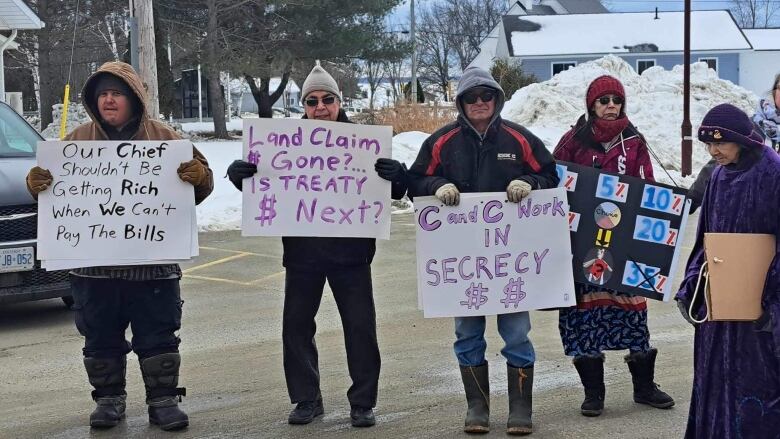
x=68, y=301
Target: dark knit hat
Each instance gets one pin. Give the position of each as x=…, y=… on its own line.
x=727, y=123
x=107, y=81
x=604, y=85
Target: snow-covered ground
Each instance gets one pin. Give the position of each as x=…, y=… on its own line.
x=235, y=124
x=548, y=109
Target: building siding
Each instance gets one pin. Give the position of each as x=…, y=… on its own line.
x=728, y=63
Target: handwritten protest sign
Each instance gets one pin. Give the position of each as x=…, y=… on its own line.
x=489, y=256
x=626, y=231
x=112, y=201
x=315, y=178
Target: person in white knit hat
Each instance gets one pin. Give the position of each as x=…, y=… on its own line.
x=346, y=265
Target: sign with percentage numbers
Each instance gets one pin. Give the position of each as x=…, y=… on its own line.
x=315, y=178
x=489, y=256
x=625, y=231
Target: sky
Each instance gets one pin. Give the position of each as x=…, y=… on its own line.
x=401, y=14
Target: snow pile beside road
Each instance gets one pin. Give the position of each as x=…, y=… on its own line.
x=77, y=115
x=654, y=105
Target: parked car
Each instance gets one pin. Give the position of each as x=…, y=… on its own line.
x=21, y=276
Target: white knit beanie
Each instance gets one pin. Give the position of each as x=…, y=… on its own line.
x=319, y=80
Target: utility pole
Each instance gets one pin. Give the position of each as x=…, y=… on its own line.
x=147, y=59
x=687, y=139
x=414, y=56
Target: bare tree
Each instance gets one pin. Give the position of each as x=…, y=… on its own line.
x=435, y=47
x=470, y=21
x=754, y=13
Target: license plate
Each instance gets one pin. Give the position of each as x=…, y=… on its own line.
x=17, y=259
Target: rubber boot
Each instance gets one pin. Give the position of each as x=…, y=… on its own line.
x=161, y=376
x=520, y=386
x=591, y=370
x=107, y=376
x=646, y=391
x=477, y=386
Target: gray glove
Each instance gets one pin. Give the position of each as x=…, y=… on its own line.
x=517, y=190
x=448, y=194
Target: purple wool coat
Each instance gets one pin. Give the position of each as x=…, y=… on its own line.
x=736, y=385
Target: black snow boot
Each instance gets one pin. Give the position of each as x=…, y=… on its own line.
x=107, y=376
x=161, y=376
x=591, y=370
x=477, y=386
x=520, y=386
x=646, y=391
x=306, y=411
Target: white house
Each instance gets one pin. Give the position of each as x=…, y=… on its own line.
x=15, y=15
x=757, y=69
x=241, y=96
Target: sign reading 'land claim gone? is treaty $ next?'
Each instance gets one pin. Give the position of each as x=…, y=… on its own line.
x=488, y=256
x=315, y=178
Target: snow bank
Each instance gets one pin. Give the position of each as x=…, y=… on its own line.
x=654, y=105
x=77, y=115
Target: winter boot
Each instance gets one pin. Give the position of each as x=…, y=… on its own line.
x=591, y=370
x=477, y=386
x=520, y=386
x=107, y=376
x=306, y=411
x=642, y=367
x=161, y=376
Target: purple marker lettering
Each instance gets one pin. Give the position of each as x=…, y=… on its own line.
x=302, y=184
x=326, y=213
x=314, y=183
x=433, y=272
x=482, y=266
x=314, y=135
x=280, y=162
x=500, y=265
x=333, y=162
x=538, y=258
x=362, y=208
x=345, y=215
x=462, y=273
x=252, y=141
x=558, y=207
x=423, y=221
x=445, y=269
x=309, y=215
x=486, y=212
x=519, y=259
x=286, y=179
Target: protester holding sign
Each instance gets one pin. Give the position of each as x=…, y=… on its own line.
x=768, y=114
x=346, y=264
x=109, y=299
x=604, y=319
x=736, y=384
x=481, y=152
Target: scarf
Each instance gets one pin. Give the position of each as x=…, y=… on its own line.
x=605, y=130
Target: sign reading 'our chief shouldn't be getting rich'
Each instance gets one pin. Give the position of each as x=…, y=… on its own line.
x=315, y=178
x=489, y=256
x=626, y=231
x=115, y=203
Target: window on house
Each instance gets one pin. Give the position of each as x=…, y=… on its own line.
x=711, y=63
x=558, y=67
x=644, y=64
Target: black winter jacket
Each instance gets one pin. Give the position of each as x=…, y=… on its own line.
x=318, y=253
x=458, y=154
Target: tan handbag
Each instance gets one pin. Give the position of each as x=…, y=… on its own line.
x=734, y=275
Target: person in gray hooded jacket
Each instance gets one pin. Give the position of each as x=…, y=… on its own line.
x=480, y=152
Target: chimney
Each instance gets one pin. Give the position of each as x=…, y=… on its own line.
x=656, y=13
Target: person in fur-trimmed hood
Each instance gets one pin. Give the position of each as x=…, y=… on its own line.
x=109, y=299
x=604, y=319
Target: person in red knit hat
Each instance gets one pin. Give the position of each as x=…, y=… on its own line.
x=603, y=319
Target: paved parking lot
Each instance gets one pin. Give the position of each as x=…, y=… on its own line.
x=231, y=350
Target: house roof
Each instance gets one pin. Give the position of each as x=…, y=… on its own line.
x=583, y=6
x=763, y=39
x=585, y=34
x=15, y=14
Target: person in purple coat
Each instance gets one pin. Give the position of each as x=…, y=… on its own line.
x=736, y=384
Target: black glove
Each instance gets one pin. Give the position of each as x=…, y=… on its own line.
x=683, y=307
x=391, y=170
x=764, y=323
x=239, y=170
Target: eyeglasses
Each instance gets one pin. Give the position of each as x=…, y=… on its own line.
x=485, y=96
x=604, y=100
x=313, y=102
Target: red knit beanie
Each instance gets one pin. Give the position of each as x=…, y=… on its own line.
x=604, y=85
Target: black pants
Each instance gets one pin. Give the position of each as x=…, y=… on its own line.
x=352, y=290
x=106, y=307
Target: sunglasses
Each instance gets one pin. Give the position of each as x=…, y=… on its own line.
x=313, y=102
x=604, y=100
x=485, y=96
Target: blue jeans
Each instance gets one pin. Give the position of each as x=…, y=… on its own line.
x=470, y=344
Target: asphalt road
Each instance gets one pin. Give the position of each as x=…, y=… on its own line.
x=232, y=362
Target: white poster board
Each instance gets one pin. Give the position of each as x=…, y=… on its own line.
x=315, y=178
x=488, y=256
x=114, y=201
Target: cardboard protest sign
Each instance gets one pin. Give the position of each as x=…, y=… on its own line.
x=315, y=178
x=113, y=201
x=489, y=256
x=625, y=231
